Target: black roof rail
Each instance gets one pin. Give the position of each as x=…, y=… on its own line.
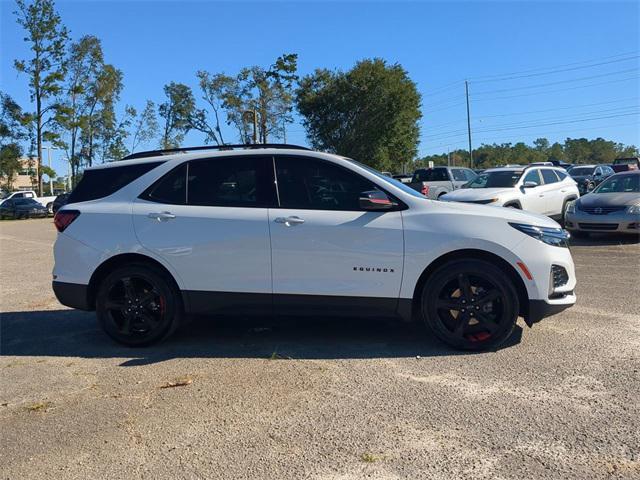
x=169, y=151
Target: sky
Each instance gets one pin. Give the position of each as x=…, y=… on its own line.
x=552, y=69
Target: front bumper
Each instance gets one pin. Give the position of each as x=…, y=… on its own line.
x=617, y=222
x=539, y=309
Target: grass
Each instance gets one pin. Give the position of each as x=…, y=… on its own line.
x=368, y=457
x=39, y=406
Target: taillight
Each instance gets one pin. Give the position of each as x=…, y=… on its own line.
x=425, y=190
x=64, y=218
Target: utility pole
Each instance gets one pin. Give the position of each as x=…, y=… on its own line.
x=466, y=88
x=448, y=156
x=284, y=129
x=255, y=123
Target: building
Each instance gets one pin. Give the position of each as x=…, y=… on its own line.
x=26, y=176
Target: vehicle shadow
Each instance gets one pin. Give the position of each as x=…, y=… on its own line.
x=72, y=333
x=599, y=239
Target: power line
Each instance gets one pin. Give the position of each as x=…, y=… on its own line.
x=559, y=89
x=517, y=127
x=572, y=116
x=635, y=52
x=526, y=87
x=558, y=71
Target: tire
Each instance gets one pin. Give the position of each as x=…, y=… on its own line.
x=563, y=213
x=50, y=208
x=445, y=300
x=138, y=305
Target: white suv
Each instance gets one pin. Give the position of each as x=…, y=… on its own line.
x=544, y=190
x=292, y=231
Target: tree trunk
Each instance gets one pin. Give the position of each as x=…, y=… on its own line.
x=39, y=141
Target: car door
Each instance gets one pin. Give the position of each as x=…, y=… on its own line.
x=208, y=219
x=533, y=198
x=328, y=254
x=553, y=195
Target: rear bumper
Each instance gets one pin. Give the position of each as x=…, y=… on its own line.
x=72, y=295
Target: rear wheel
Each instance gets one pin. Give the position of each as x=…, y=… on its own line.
x=138, y=305
x=470, y=304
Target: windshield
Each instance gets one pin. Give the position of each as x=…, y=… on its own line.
x=620, y=184
x=581, y=171
x=393, y=181
x=503, y=179
x=625, y=161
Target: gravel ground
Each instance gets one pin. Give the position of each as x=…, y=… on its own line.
x=320, y=399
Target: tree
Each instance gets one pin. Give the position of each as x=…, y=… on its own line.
x=145, y=125
x=84, y=64
x=214, y=90
x=369, y=113
x=13, y=131
x=266, y=93
x=47, y=38
x=177, y=111
x=100, y=124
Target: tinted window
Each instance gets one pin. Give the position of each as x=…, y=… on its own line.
x=232, y=182
x=549, y=176
x=470, y=174
x=316, y=184
x=431, y=175
x=459, y=175
x=581, y=171
x=620, y=184
x=171, y=188
x=507, y=178
x=103, y=182
x=532, y=176
x=561, y=175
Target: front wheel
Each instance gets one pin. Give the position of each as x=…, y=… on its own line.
x=138, y=305
x=470, y=304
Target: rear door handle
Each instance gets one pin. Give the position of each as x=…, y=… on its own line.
x=162, y=216
x=289, y=221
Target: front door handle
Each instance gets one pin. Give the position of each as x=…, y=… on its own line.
x=289, y=221
x=162, y=216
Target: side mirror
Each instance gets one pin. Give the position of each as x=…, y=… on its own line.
x=530, y=184
x=375, y=200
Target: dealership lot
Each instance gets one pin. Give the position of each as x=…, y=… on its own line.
x=318, y=399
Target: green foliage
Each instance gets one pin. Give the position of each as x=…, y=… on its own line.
x=47, y=38
x=369, y=113
x=177, y=111
x=579, y=150
x=145, y=124
x=13, y=130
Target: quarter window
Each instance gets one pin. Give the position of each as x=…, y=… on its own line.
x=549, y=176
x=170, y=189
x=315, y=184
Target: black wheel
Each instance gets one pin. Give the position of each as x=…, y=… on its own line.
x=138, y=305
x=563, y=213
x=470, y=304
x=50, y=208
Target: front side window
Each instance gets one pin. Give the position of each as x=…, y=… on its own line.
x=549, y=176
x=232, y=181
x=308, y=183
x=459, y=175
x=532, y=176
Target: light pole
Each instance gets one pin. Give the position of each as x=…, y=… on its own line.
x=255, y=123
x=49, y=148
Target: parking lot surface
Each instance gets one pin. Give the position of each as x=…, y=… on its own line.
x=320, y=399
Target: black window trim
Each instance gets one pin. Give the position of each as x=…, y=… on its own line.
x=145, y=194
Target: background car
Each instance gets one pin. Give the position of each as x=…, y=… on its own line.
x=614, y=206
x=589, y=177
x=403, y=177
x=435, y=182
x=22, y=208
x=626, y=164
x=538, y=189
x=59, y=201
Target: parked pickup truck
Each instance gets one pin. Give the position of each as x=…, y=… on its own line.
x=44, y=201
x=435, y=182
x=626, y=164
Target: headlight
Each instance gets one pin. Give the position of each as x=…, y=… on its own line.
x=634, y=210
x=571, y=207
x=557, y=237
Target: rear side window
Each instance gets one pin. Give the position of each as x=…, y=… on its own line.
x=103, y=182
x=232, y=182
x=561, y=175
x=431, y=175
x=549, y=176
x=170, y=189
